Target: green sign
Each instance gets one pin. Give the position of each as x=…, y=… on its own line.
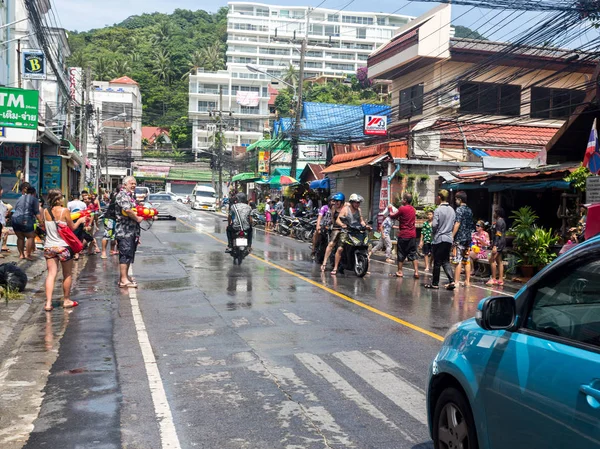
x=19, y=108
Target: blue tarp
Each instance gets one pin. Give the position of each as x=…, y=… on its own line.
x=320, y=184
x=328, y=122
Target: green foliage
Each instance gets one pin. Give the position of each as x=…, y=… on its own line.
x=532, y=243
x=424, y=178
x=468, y=33
x=261, y=208
x=156, y=50
x=579, y=178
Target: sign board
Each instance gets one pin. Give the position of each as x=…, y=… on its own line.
x=375, y=125
x=592, y=191
x=263, y=161
x=19, y=108
x=383, y=195
x=312, y=152
x=51, y=173
x=75, y=83
x=33, y=64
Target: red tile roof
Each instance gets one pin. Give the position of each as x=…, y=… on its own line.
x=123, y=80
x=496, y=134
x=342, y=166
x=152, y=132
x=317, y=170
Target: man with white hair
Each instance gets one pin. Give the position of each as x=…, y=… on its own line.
x=127, y=230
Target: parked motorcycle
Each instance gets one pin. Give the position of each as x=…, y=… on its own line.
x=258, y=220
x=239, y=249
x=306, y=229
x=355, y=254
x=286, y=225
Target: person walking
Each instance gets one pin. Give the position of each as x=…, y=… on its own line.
x=334, y=235
x=24, y=215
x=3, y=213
x=442, y=225
x=498, y=245
x=407, y=235
x=462, y=232
x=127, y=230
x=385, y=242
x=56, y=250
x=426, y=239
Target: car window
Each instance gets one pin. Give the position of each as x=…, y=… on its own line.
x=205, y=194
x=567, y=304
x=160, y=198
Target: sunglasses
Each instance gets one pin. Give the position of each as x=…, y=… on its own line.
x=477, y=226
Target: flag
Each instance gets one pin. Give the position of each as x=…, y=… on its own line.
x=591, y=159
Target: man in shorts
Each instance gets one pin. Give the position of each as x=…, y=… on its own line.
x=462, y=232
x=127, y=230
x=407, y=235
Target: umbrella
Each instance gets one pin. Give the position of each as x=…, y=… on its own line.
x=592, y=153
x=283, y=181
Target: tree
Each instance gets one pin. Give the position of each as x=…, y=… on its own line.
x=212, y=57
x=196, y=60
x=467, y=33
x=103, y=69
x=121, y=67
x=163, y=66
x=290, y=75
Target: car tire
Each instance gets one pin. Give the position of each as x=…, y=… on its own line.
x=453, y=422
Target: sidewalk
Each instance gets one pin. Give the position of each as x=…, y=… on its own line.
x=13, y=312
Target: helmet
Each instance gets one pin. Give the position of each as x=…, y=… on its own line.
x=241, y=198
x=356, y=198
x=339, y=197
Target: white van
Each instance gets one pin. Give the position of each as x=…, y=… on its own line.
x=204, y=198
x=141, y=193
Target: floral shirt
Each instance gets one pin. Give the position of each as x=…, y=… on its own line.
x=464, y=216
x=126, y=226
x=427, y=232
x=386, y=226
x=481, y=239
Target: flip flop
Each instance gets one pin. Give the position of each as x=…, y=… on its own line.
x=416, y=275
x=103, y=257
x=128, y=285
x=75, y=304
x=450, y=286
x=431, y=286
x=333, y=272
x=401, y=275
x=49, y=309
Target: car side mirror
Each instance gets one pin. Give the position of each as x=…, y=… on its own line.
x=496, y=313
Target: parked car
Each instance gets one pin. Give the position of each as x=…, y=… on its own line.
x=141, y=193
x=525, y=372
x=164, y=203
x=177, y=197
x=204, y=198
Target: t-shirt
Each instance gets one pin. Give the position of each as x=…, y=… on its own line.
x=3, y=211
x=324, y=209
x=406, y=217
x=464, y=216
x=443, y=222
x=427, y=232
x=239, y=216
x=126, y=226
x=387, y=226
x=76, y=205
x=26, y=209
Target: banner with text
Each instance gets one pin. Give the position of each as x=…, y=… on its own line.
x=19, y=108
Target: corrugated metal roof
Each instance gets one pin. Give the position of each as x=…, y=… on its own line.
x=482, y=134
x=503, y=153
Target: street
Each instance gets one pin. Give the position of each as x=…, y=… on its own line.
x=269, y=354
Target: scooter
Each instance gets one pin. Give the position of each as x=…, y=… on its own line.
x=355, y=255
x=239, y=249
x=258, y=220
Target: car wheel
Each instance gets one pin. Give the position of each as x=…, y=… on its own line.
x=453, y=424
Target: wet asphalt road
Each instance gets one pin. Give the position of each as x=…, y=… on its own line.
x=262, y=355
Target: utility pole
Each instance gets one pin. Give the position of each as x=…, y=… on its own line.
x=98, y=143
x=20, y=81
x=85, y=96
x=296, y=136
x=220, y=146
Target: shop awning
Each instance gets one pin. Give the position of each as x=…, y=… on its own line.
x=271, y=145
x=342, y=166
x=499, y=187
x=72, y=152
x=320, y=184
x=190, y=174
x=245, y=177
x=282, y=171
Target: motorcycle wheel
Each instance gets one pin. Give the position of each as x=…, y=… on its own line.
x=361, y=265
x=308, y=236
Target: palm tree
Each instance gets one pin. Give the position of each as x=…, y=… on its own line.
x=78, y=59
x=212, y=57
x=195, y=61
x=121, y=67
x=102, y=69
x=163, y=67
x=162, y=34
x=290, y=75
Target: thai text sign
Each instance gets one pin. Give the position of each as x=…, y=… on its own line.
x=19, y=108
x=34, y=65
x=592, y=191
x=375, y=125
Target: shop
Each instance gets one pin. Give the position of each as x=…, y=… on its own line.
x=14, y=157
x=152, y=176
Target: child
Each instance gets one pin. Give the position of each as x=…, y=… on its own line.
x=385, y=240
x=426, y=239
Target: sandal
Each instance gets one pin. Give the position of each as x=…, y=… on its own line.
x=491, y=282
x=323, y=268
x=431, y=286
x=450, y=286
x=128, y=285
x=399, y=274
x=73, y=304
x=500, y=283
x=48, y=309
x=333, y=272
x=416, y=275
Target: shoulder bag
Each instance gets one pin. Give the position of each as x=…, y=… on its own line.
x=67, y=234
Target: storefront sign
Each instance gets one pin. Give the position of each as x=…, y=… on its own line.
x=51, y=173
x=312, y=152
x=375, y=125
x=592, y=190
x=383, y=194
x=19, y=108
x=263, y=161
x=13, y=160
x=34, y=64
x=75, y=82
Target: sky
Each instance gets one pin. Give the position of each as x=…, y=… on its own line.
x=83, y=15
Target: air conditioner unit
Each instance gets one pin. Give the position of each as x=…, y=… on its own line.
x=449, y=99
x=426, y=145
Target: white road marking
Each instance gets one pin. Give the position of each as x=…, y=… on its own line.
x=266, y=321
x=401, y=393
x=319, y=368
x=239, y=322
x=168, y=434
x=294, y=318
x=384, y=360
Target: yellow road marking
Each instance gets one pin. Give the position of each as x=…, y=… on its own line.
x=331, y=291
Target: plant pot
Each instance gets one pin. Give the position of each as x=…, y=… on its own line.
x=527, y=270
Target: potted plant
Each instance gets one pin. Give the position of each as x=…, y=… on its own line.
x=412, y=177
x=524, y=244
x=543, y=242
x=423, y=178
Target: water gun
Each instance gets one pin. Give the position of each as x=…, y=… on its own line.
x=476, y=249
x=147, y=213
x=81, y=213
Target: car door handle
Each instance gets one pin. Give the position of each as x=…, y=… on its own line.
x=592, y=392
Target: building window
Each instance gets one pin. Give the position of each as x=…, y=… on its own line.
x=249, y=110
x=333, y=17
x=361, y=33
x=554, y=103
x=314, y=54
x=359, y=20
x=488, y=98
x=262, y=12
x=332, y=30
x=411, y=101
x=284, y=13
x=208, y=88
x=205, y=106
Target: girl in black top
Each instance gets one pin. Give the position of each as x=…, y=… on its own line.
x=498, y=245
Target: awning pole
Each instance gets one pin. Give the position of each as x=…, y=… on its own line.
x=26, y=168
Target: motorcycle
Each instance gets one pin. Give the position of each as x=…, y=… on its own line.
x=286, y=225
x=306, y=229
x=239, y=249
x=355, y=255
x=258, y=220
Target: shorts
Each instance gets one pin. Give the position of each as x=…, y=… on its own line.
x=274, y=217
x=407, y=249
x=62, y=253
x=427, y=249
x=462, y=253
x=23, y=226
x=335, y=237
x=268, y=217
x=109, y=229
x=127, y=249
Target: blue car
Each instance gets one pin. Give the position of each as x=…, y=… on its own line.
x=525, y=372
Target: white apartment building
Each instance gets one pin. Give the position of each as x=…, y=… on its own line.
x=339, y=42
x=117, y=120
x=245, y=107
